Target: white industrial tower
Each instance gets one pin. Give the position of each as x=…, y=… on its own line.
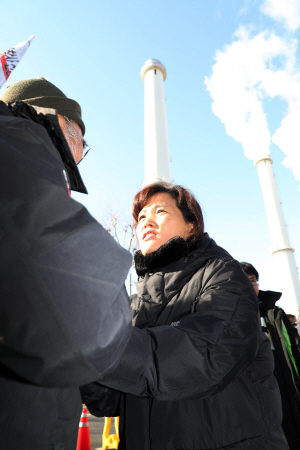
x=157, y=158
x=157, y=168
x=286, y=270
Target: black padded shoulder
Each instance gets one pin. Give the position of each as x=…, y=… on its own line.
x=4, y=110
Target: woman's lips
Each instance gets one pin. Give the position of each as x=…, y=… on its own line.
x=148, y=235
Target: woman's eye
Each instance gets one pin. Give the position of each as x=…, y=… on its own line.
x=141, y=217
x=160, y=210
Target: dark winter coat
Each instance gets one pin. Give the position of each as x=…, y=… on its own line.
x=64, y=312
x=197, y=371
x=287, y=378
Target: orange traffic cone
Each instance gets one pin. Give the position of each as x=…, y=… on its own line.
x=83, y=441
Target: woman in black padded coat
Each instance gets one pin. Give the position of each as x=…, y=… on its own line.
x=197, y=372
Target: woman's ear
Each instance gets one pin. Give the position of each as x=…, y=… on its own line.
x=190, y=230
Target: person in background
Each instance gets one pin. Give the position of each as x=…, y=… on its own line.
x=292, y=319
x=197, y=371
x=294, y=323
x=64, y=313
x=277, y=327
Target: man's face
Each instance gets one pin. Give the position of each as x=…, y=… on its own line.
x=254, y=282
x=73, y=135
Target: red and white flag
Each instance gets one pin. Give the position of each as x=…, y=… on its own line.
x=10, y=58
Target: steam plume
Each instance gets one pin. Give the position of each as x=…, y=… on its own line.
x=246, y=72
x=286, y=12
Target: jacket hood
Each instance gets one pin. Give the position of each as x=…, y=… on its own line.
x=47, y=118
x=268, y=299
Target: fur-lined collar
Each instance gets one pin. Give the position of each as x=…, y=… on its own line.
x=171, y=251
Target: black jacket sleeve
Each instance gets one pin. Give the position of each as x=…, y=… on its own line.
x=101, y=401
x=64, y=313
x=204, y=353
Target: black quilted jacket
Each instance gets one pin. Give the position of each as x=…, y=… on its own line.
x=197, y=371
x=64, y=313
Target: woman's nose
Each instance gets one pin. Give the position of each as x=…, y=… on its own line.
x=148, y=222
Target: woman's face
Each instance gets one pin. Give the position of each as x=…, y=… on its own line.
x=159, y=221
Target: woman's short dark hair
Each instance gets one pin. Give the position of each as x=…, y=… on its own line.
x=185, y=202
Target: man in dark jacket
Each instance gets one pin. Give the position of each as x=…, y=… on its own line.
x=64, y=314
x=277, y=327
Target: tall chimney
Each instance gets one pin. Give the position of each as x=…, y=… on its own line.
x=286, y=270
x=157, y=158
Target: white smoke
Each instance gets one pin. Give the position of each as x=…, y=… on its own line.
x=284, y=11
x=245, y=73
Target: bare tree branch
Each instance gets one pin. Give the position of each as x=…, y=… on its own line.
x=114, y=224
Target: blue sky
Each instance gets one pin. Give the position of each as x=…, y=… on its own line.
x=94, y=50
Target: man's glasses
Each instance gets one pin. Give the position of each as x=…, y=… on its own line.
x=86, y=149
x=75, y=135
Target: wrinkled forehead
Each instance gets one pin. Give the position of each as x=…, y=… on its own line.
x=70, y=126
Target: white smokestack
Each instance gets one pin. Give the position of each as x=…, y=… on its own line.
x=282, y=251
x=244, y=74
x=157, y=159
